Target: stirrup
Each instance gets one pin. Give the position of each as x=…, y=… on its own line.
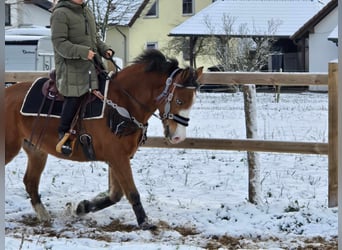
x=87, y=146
x=65, y=145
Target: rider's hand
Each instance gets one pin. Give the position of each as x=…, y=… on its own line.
x=109, y=54
x=91, y=55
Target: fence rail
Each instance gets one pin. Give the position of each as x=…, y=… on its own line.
x=251, y=145
x=265, y=78
x=260, y=78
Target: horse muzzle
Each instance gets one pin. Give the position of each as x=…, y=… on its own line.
x=175, y=137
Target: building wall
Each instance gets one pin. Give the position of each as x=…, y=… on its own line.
x=117, y=38
x=152, y=29
x=32, y=14
x=22, y=14
x=321, y=50
x=318, y=57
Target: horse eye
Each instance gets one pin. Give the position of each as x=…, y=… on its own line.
x=179, y=102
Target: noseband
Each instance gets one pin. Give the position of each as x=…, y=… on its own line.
x=168, y=95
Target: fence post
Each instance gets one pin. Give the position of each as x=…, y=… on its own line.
x=333, y=135
x=254, y=188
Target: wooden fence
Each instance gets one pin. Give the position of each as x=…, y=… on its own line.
x=252, y=145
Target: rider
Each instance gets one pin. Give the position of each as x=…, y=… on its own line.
x=77, y=49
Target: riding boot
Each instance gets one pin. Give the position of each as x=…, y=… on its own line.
x=70, y=107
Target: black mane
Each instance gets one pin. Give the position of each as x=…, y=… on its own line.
x=156, y=61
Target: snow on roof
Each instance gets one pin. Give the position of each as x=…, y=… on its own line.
x=309, y=26
x=18, y=38
x=289, y=14
x=126, y=11
x=30, y=30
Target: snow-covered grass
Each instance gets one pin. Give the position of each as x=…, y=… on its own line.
x=197, y=198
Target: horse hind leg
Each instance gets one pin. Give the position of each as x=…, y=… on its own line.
x=13, y=145
x=35, y=166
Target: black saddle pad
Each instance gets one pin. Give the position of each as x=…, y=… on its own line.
x=34, y=99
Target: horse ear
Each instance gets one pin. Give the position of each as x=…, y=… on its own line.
x=199, y=72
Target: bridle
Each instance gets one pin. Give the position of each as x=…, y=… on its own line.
x=167, y=95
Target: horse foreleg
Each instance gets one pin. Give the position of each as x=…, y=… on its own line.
x=120, y=182
x=102, y=200
x=123, y=174
x=35, y=166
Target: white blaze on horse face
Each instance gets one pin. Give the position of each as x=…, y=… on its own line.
x=180, y=133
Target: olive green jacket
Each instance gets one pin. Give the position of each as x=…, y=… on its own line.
x=74, y=33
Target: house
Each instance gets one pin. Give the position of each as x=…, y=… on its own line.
x=255, y=16
x=27, y=12
x=147, y=25
x=318, y=40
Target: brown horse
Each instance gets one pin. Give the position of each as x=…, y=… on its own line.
x=151, y=83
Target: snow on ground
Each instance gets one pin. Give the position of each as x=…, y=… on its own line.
x=197, y=198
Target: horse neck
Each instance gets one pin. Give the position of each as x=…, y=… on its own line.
x=137, y=92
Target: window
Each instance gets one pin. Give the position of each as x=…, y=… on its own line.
x=153, y=10
x=151, y=45
x=188, y=7
x=7, y=14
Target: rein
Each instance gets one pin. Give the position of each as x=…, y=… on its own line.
x=147, y=109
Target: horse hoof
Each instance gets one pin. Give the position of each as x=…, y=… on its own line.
x=147, y=226
x=83, y=208
x=42, y=214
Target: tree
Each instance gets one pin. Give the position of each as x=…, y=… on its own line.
x=102, y=10
x=190, y=47
x=112, y=12
x=237, y=50
x=234, y=50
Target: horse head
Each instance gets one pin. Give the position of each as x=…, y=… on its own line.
x=176, y=101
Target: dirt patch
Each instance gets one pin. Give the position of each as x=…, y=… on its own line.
x=88, y=228
x=115, y=226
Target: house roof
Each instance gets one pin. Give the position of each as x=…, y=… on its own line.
x=255, y=14
x=308, y=27
x=126, y=12
x=44, y=4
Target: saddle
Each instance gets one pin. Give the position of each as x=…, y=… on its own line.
x=44, y=99
x=49, y=89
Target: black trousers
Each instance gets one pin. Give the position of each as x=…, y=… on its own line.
x=70, y=107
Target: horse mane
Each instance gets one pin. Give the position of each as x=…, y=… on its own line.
x=155, y=61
